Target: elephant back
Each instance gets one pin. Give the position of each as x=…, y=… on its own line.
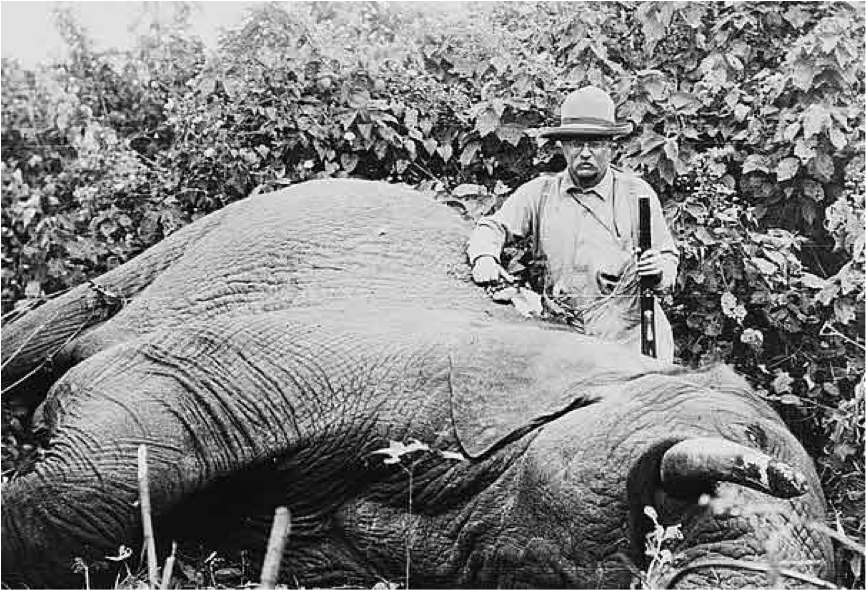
x=332, y=244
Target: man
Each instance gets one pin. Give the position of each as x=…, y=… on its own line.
x=585, y=225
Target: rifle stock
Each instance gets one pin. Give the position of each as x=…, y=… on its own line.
x=646, y=297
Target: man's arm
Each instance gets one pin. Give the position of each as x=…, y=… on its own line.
x=513, y=219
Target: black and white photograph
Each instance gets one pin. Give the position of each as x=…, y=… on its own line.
x=436, y=294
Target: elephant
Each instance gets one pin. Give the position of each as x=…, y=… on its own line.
x=283, y=350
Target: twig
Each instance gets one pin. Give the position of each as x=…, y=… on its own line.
x=29, y=305
x=29, y=338
x=276, y=544
x=169, y=567
x=829, y=330
x=843, y=539
x=50, y=358
x=147, y=524
x=425, y=171
x=105, y=296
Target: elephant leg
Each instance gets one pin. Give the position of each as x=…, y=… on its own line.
x=80, y=500
x=41, y=345
x=313, y=480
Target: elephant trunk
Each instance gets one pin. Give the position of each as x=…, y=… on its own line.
x=81, y=503
x=700, y=460
x=53, y=529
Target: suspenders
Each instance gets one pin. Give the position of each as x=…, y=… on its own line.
x=538, y=256
x=537, y=216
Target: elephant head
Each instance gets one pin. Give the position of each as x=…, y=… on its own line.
x=280, y=346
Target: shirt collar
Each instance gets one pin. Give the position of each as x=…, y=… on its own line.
x=602, y=188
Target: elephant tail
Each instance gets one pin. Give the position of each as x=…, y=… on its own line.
x=32, y=345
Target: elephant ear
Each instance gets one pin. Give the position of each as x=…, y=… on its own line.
x=505, y=385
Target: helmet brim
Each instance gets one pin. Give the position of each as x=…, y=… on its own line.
x=586, y=129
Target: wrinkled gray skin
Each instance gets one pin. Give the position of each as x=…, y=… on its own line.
x=265, y=351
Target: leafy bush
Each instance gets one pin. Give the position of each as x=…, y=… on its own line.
x=749, y=123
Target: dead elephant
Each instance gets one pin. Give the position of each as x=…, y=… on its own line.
x=265, y=353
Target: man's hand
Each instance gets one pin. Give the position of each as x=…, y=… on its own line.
x=650, y=264
x=487, y=270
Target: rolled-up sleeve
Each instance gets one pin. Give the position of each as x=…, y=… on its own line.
x=513, y=220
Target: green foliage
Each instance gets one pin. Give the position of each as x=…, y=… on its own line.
x=749, y=123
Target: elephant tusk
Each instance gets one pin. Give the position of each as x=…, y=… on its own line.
x=706, y=459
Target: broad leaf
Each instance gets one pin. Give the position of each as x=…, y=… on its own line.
x=741, y=111
x=822, y=167
x=468, y=189
x=755, y=162
x=349, y=161
x=487, y=122
x=684, y=102
x=365, y=129
x=469, y=153
x=511, y=132
x=651, y=142
x=838, y=138
x=430, y=146
x=813, y=190
x=805, y=150
x=782, y=384
x=704, y=236
x=816, y=118
x=787, y=169
x=410, y=118
x=445, y=152
x=844, y=310
x=527, y=302
x=791, y=131
x=812, y=281
x=397, y=450
x=766, y=267
x=803, y=73
x=670, y=148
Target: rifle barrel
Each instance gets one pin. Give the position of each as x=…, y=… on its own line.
x=646, y=299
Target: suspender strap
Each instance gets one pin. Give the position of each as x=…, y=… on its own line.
x=538, y=255
x=537, y=217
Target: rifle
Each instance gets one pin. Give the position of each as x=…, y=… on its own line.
x=646, y=297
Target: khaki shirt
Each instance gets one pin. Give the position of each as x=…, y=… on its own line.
x=584, y=234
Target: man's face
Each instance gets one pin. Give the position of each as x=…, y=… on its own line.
x=587, y=157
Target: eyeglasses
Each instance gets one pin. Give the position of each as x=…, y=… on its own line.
x=592, y=144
